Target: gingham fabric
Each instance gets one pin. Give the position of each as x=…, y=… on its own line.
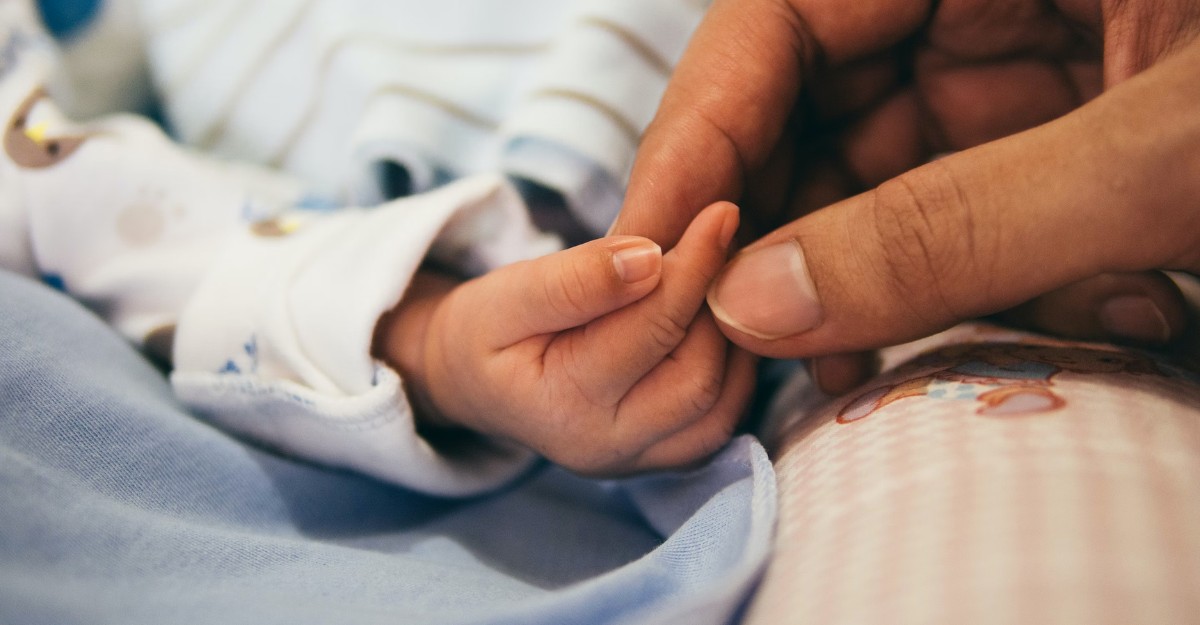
x=937, y=508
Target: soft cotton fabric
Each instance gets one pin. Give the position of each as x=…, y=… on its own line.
x=269, y=294
x=120, y=507
x=345, y=93
x=992, y=477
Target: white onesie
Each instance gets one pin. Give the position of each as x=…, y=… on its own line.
x=271, y=295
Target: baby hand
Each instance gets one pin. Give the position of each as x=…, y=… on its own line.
x=599, y=357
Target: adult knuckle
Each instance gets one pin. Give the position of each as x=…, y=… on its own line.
x=930, y=242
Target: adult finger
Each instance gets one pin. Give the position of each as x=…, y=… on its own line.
x=954, y=108
x=732, y=93
x=1144, y=308
x=1110, y=187
x=836, y=374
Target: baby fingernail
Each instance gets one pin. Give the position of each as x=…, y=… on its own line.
x=767, y=293
x=1135, y=317
x=637, y=262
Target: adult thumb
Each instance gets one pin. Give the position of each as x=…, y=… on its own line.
x=1104, y=189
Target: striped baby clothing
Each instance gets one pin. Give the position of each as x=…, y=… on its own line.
x=262, y=287
x=346, y=93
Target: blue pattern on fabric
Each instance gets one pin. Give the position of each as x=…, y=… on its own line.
x=67, y=18
x=54, y=281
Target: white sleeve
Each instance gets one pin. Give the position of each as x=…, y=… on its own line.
x=275, y=342
x=272, y=297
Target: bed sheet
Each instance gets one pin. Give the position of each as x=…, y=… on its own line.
x=119, y=507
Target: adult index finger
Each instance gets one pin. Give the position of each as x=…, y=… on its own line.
x=732, y=93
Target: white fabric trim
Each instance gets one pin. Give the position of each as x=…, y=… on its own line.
x=275, y=342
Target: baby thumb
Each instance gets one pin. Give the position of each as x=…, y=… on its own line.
x=569, y=288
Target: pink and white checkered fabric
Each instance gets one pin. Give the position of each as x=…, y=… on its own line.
x=1024, y=481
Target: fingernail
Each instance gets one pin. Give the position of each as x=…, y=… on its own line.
x=1135, y=317
x=637, y=262
x=729, y=227
x=767, y=293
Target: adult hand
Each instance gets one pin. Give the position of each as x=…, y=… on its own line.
x=1057, y=204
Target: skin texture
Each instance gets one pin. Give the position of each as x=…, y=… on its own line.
x=604, y=368
x=1074, y=143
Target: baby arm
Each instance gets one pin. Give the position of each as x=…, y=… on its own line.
x=600, y=357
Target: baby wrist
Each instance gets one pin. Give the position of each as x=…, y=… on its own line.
x=401, y=342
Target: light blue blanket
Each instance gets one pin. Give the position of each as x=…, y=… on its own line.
x=116, y=506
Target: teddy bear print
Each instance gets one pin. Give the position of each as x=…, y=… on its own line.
x=30, y=144
x=1006, y=379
